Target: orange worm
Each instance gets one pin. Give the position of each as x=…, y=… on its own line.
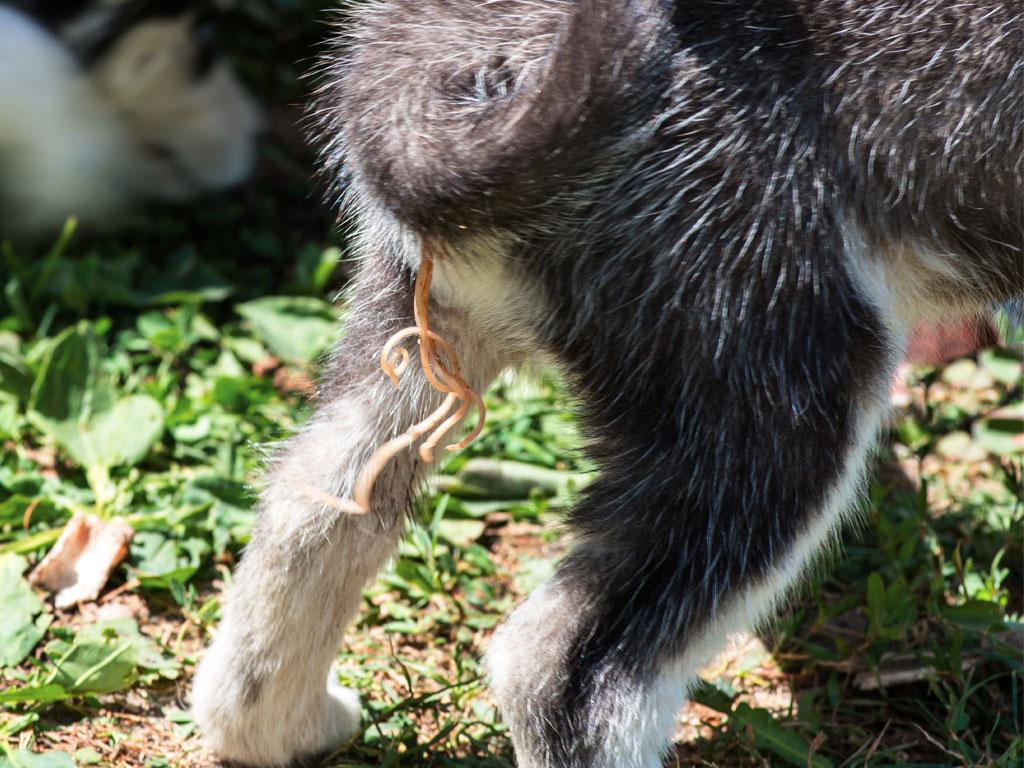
x=390, y=449
x=427, y=449
x=443, y=375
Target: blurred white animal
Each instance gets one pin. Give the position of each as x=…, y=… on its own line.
x=104, y=105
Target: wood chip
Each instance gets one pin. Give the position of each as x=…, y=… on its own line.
x=77, y=567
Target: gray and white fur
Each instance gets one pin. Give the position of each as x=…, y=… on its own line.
x=718, y=218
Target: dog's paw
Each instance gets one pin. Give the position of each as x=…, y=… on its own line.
x=270, y=722
x=345, y=716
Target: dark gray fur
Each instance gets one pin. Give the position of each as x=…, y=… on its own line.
x=678, y=184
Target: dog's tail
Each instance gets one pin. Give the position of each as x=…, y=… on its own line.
x=454, y=114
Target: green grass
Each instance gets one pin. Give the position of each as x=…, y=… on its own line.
x=185, y=343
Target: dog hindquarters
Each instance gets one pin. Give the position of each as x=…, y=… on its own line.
x=717, y=488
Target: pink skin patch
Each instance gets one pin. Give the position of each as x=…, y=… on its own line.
x=937, y=344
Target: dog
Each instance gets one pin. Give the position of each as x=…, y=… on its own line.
x=110, y=104
x=719, y=219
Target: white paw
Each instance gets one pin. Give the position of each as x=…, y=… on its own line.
x=269, y=722
x=346, y=715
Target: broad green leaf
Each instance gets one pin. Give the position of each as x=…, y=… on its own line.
x=296, y=328
x=19, y=635
x=67, y=384
x=88, y=756
x=912, y=434
x=498, y=479
x=770, y=735
x=329, y=260
x=956, y=445
x=120, y=434
x=211, y=293
x=15, y=593
x=159, y=560
x=14, y=375
x=192, y=278
x=24, y=759
x=976, y=615
x=160, y=331
x=13, y=509
x=105, y=657
x=100, y=665
x=193, y=432
x=1002, y=432
x=16, y=725
x=24, y=622
x=78, y=410
x=960, y=373
x=314, y=267
x=1003, y=364
x=11, y=420
x=715, y=695
x=36, y=694
x=153, y=553
x=232, y=393
x=247, y=350
x=460, y=532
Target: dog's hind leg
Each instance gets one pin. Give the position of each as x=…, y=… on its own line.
x=260, y=694
x=716, y=490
